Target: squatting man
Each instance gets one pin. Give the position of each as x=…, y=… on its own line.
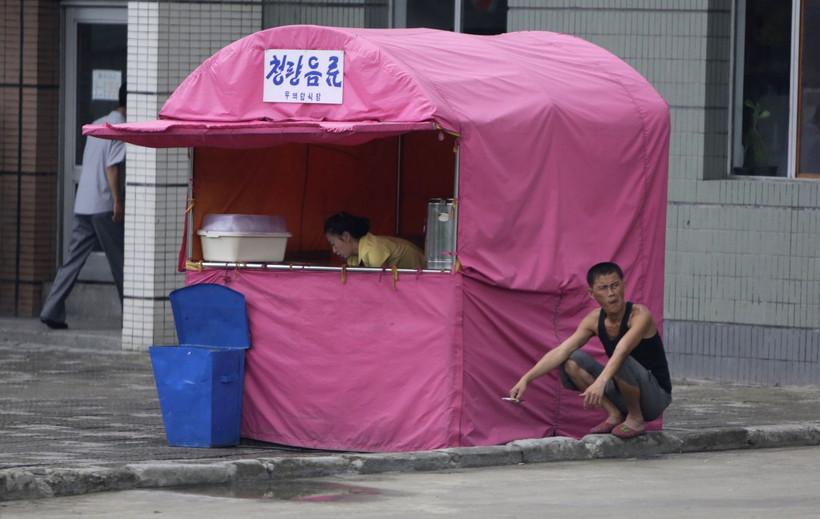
x=633, y=386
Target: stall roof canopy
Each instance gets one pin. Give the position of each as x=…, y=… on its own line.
x=563, y=146
x=170, y=133
x=391, y=76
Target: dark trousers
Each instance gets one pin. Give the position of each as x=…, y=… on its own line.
x=88, y=230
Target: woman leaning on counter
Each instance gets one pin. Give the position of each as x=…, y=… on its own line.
x=351, y=239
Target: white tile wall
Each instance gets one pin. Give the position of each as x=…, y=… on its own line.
x=166, y=41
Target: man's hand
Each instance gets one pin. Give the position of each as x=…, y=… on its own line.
x=119, y=212
x=517, y=390
x=594, y=394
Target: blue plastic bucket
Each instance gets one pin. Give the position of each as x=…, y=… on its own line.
x=200, y=382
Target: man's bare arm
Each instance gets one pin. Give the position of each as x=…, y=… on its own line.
x=557, y=356
x=113, y=176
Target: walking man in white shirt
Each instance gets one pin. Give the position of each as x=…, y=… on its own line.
x=98, y=217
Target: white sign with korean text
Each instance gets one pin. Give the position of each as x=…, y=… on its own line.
x=105, y=84
x=304, y=76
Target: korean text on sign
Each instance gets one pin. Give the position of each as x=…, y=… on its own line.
x=303, y=76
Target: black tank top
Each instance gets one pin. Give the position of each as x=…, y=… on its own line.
x=649, y=352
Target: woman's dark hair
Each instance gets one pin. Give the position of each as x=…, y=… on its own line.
x=340, y=223
x=603, y=269
x=122, y=95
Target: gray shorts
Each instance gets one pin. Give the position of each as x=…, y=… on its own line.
x=653, y=397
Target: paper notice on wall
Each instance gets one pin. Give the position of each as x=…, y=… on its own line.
x=105, y=84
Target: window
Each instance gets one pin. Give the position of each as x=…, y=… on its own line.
x=777, y=89
x=101, y=48
x=483, y=16
x=339, y=13
x=469, y=16
x=808, y=97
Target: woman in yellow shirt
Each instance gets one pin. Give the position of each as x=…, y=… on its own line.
x=351, y=239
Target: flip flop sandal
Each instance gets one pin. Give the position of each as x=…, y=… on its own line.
x=625, y=432
x=602, y=428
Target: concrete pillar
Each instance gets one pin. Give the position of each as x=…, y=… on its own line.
x=166, y=41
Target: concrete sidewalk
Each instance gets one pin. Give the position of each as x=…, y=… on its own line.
x=78, y=415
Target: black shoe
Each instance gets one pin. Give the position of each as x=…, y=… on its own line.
x=54, y=325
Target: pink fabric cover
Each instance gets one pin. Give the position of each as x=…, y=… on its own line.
x=355, y=366
x=365, y=366
x=559, y=138
x=563, y=163
x=504, y=332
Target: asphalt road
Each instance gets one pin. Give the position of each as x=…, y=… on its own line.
x=747, y=484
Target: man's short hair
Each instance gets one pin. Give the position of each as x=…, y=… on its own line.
x=123, y=93
x=602, y=269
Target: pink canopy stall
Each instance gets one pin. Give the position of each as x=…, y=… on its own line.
x=556, y=153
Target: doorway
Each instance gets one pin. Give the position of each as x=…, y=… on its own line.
x=94, y=58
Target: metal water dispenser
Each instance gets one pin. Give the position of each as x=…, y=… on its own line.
x=439, y=242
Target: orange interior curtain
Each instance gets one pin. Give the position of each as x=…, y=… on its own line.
x=306, y=183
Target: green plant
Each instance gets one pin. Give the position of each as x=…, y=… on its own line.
x=756, y=154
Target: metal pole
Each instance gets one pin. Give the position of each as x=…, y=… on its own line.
x=310, y=268
x=794, y=91
x=456, y=202
x=457, y=21
x=398, y=184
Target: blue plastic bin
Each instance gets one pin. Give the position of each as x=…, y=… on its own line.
x=199, y=382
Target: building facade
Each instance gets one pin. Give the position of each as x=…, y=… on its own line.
x=742, y=78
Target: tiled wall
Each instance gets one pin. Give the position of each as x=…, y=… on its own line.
x=743, y=353
x=166, y=41
x=743, y=256
x=675, y=44
x=29, y=115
